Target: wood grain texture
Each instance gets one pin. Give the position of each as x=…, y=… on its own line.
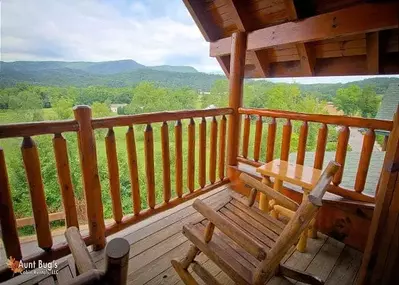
x=165, y=162
x=91, y=181
x=303, y=136
x=222, y=147
x=31, y=161
x=271, y=138
x=286, y=141
x=321, y=147
x=258, y=138
x=245, y=136
x=81, y=255
x=191, y=155
x=179, y=159
x=364, y=162
x=340, y=155
x=202, y=154
x=7, y=216
x=133, y=169
x=149, y=165
x=212, y=150
x=64, y=180
x=113, y=172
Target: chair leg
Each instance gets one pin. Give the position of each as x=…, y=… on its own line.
x=185, y=276
x=299, y=275
x=204, y=274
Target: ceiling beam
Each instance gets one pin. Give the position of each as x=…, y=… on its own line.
x=204, y=23
x=363, y=18
x=237, y=14
x=306, y=57
x=373, y=52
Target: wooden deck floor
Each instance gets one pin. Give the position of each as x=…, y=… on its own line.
x=159, y=239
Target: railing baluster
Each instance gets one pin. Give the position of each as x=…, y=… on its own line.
x=64, y=179
x=222, y=147
x=7, y=216
x=133, y=169
x=245, y=137
x=31, y=160
x=113, y=171
x=165, y=161
x=285, y=145
x=321, y=147
x=202, y=153
x=179, y=159
x=340, y=155
x=258, y=138
x=303, y=137
x=364, y=162
x=212, y=153
x=191, y=155
x=91, y=180
x=271, y=138
x=149, y=165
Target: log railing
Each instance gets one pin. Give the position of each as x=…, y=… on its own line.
x=194, y=122
x=325, y=121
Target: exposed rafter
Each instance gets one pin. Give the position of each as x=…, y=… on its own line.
x=204, y=24
x=306, y=58
x=373, y=52
x=348, y=21
x=243, y=25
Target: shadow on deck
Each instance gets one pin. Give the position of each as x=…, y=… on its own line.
x=157, y=240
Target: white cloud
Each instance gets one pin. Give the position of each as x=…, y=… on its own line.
x=97, y=30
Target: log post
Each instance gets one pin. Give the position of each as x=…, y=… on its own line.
x=212, y=151
x=222, y=147
x=116, y=261
x=165, y=162
x=236, y=79
x=133, y=169
x=258, y=138
x=179, y=159
x=245, y=135
x=191, y=156
x=202, y=154
x=7, y=217
x=271, y=138
x=149, y=165
x=91, y=181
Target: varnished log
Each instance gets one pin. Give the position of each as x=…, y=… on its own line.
x=178, y=159
x=133, y=169
x=325, y=119
x=303, y=136
x=165, y=162
x=113, y=171
x=258, y=138
x=212, y=151
x=149, y=165
x=285, y=144
x=91, y=181
x=31, y=160
x=189, y=257
x=271, y=138
x=116, y=261
x=364, y=162
x=210, y=227
x=245, y=136
x=64, y=180
x=321, y=147
x=7, y=217
x=340, y=154
x=202, y=154
x=191, y=155
x=237, y=67
x=222, y=147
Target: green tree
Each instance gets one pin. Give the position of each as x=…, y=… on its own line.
x=63, y=108
x=219, y=94
x=347, y=99
x=369, y=102
x=100, y=110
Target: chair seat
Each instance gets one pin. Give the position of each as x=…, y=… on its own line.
x=224, y=251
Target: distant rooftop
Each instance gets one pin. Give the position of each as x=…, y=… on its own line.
x=389, y=103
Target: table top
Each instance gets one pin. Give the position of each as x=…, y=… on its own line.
x=300, y=175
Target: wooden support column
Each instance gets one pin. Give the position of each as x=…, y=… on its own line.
x=373, y=51
x=91, y=181
x=237, y=65
x=379, y=265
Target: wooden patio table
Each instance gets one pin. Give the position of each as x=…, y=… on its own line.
x=296, y=174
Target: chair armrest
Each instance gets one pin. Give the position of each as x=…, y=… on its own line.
x=316, y=196
x=79, y=251
x=280, y=198
x=231, y=230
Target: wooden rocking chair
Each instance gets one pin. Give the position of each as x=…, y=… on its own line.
x=233, y=246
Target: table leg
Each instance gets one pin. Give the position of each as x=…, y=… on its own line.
x=263, y=200
x=312, y=232
x=278, y=184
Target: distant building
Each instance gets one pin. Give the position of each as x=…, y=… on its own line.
x=388, y=107
x=114, y=107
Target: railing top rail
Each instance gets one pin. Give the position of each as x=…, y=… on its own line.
x=319, y=118
x=37, y=128
x=147, y=118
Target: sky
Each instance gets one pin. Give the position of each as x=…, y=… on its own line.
x=151, y=32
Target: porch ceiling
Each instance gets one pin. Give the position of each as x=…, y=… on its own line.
x=293, y=38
